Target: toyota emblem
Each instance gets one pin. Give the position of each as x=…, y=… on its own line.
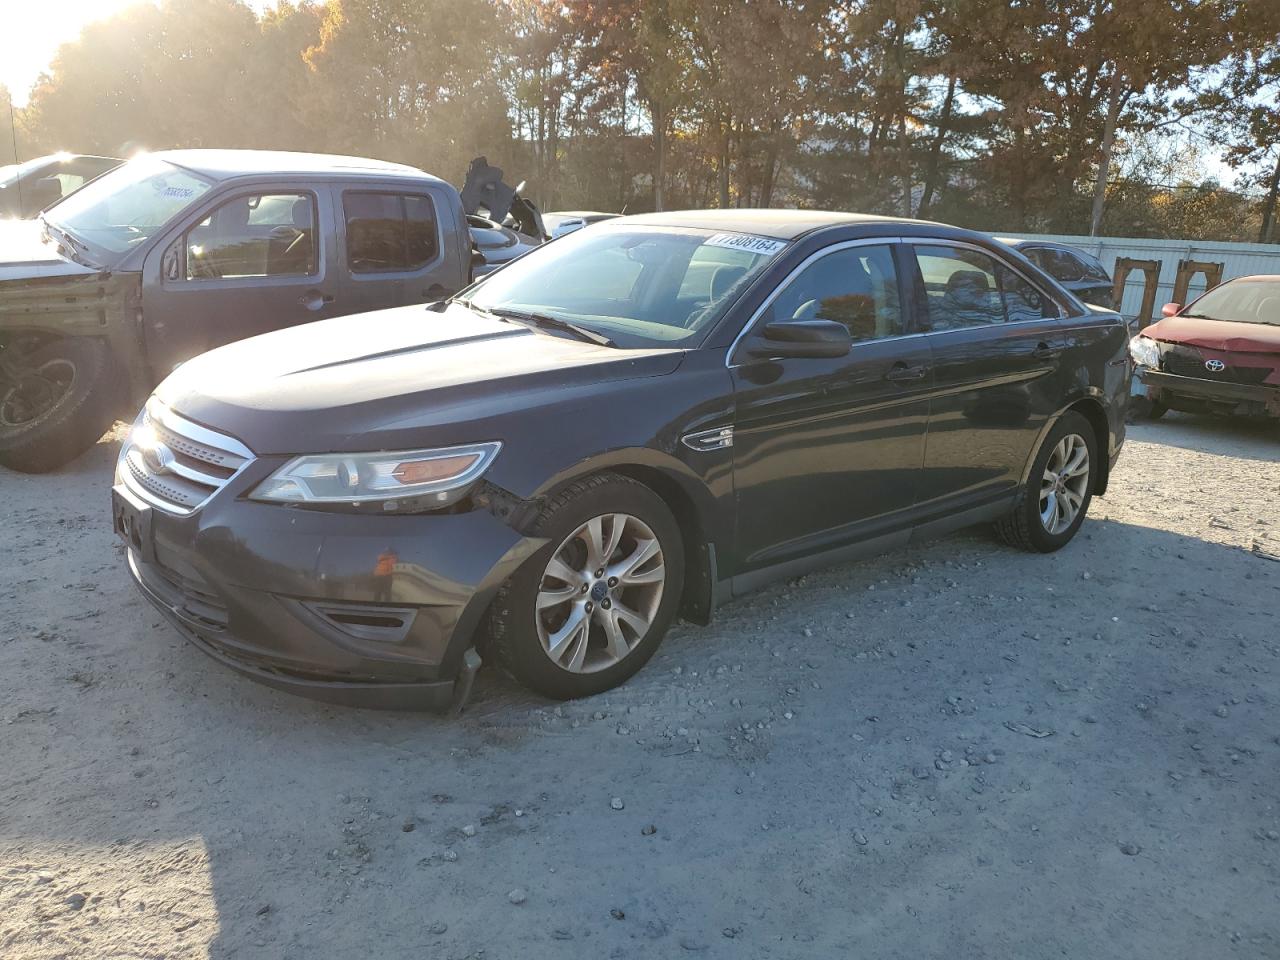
x=1214, y=366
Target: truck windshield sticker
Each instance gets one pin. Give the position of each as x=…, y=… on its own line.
x=764, y=246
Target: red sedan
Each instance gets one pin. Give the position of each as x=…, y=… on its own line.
x=1218, y=354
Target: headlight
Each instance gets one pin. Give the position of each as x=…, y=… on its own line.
x=1144, y=351
x=412, y=479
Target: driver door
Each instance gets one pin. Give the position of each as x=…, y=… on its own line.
x=246, y=263
x=828, y=451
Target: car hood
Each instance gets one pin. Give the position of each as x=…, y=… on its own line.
x=25, y=255
x=402, y=377
x=1225, y=335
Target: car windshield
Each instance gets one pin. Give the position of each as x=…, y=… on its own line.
x=1245, y=301
x=638, y=286
x=121, y=209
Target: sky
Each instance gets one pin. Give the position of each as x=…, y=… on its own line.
x=32, y=30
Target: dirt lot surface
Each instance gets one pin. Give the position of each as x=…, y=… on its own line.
x=960, y=750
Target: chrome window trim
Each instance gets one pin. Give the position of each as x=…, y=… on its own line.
x=790, y=277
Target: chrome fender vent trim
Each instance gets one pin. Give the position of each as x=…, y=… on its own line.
x=717, y=438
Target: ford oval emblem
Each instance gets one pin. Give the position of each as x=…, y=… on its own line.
x=157, y=458
x=1214, y=366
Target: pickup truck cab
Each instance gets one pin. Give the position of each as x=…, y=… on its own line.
x=180, y=251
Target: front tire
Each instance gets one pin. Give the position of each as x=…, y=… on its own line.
x=60, y=410
x=1058, y=491
x=589, y=609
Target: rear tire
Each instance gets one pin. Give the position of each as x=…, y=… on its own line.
x=1056, y=497
x=35, y=440
x=577, y=619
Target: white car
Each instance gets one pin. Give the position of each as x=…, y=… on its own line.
x=562, y=222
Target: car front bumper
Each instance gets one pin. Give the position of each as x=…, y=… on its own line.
x=1259, y=399
x=372, y=611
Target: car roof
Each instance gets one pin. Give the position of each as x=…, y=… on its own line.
x=226, y=164
x=778, y=224
x=579, y=213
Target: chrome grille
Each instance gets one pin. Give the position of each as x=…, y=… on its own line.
x=175, y=464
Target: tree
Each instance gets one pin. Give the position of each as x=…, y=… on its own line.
x=8, y=127
x=1245, y=107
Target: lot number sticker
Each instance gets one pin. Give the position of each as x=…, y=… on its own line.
x=763, y=246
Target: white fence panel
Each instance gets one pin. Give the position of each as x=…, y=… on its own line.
x=1238, y=260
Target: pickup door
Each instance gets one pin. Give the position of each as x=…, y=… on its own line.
x=246, y=261
x=400, y=244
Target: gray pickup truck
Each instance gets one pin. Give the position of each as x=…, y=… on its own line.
x=177, y=252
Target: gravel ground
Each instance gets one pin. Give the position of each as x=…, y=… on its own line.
x=958, y=750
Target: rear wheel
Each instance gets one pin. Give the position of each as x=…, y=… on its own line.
x=1058, y=490
x=589, y=609
x=61, y=402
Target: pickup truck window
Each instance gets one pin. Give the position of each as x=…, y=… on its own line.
x=261, y=235
x=122, y=209
x=389, y=231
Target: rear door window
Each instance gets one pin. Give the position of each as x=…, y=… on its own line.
x=1064, y=266
x=967, y=288
x=389, y=232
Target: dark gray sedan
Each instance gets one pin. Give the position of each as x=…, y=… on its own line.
x=1079, y=271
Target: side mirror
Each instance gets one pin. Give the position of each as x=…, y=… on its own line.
x=1170, y=309
x=804, y=339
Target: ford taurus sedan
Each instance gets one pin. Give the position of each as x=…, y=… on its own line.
x=637, y=422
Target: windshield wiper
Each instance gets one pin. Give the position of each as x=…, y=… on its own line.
x=546, y=322
x=68, y=242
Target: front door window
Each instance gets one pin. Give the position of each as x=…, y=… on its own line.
x=262, y=235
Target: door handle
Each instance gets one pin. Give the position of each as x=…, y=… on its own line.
x=901, y=373
x=1045, y=352
x=315, y=300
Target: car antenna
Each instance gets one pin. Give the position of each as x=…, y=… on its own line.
x=13, y=132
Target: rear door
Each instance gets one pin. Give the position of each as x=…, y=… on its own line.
x=247, y=262
x=828, y=451
x=996, y=348
x=394, y=250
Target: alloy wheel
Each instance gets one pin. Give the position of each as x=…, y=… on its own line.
x=600, y=593
x=1065, y=483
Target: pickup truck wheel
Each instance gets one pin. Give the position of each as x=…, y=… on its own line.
x=590, y=608
x=62, y=404
x=1059, y=488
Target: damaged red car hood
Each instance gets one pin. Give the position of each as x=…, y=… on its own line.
x=1225, y=335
